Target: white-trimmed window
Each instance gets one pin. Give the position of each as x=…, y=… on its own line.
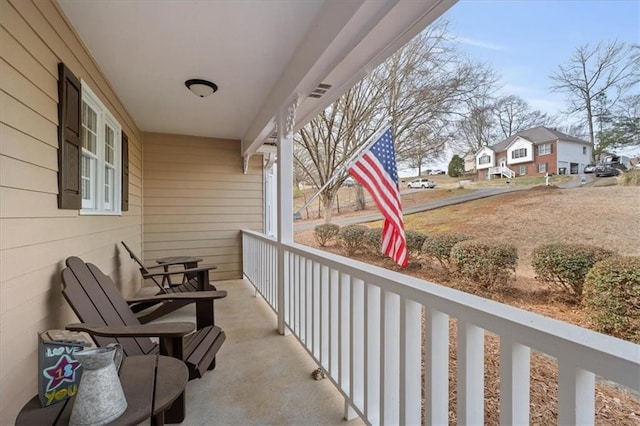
x=522, y=170
x=100, y=170
x=544, y=149
x=484, y=159
x=542, y=168
x=519, y=153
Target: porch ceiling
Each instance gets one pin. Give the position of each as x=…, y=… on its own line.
x=260, y=53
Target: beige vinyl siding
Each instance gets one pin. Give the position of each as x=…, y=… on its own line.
x=196, y=200
x=35, y=236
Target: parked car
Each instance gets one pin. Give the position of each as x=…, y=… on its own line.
x=612, y=168
x=437, y=172
x=421, y=183
x=590, y=168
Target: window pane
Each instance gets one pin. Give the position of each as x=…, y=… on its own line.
x=86, y=178
x=109, y=144
x=108, y=188
x=88, y=182
x=89, y=128
x=107, y=185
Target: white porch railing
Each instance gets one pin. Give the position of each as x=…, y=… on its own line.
x=502, y=170
x=363, y=324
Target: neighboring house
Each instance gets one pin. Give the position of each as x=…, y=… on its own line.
x=533, y=152
x=469, y=163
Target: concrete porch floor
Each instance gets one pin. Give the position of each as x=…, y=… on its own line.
x=261, y=377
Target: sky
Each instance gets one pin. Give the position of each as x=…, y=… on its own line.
x=526, y=40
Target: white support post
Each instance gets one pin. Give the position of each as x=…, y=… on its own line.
x=470, y=374
x=286, y=119
x=514, y=382
x=576, y=395
x=437, y=368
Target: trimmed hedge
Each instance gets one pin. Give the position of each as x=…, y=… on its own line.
x=415, y=240
x=439, y=247
x=612, y=294
x=566, y=265
x=325, y=233
x=373, y=241
x=486, y=263
x=352, y=237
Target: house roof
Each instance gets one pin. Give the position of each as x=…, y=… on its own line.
x=536, y=135
x=261, y=54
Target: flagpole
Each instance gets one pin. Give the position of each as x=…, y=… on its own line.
x=356, y=155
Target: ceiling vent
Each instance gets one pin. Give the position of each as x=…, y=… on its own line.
x=320, y=90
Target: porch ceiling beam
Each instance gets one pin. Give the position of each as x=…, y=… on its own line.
x=347, y=40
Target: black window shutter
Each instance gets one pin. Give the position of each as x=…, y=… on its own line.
x=125, y=172
x=69, y=144
x=551, y=151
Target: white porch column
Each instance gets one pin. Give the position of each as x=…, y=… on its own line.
x=285, y=121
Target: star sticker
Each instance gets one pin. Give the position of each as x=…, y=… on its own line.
x=64, y=371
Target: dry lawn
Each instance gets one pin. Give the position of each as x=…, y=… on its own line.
x=607, y=216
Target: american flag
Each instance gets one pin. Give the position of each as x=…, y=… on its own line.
x=376, y=170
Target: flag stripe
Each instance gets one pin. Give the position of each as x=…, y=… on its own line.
x=379, y=190
x=376, y=171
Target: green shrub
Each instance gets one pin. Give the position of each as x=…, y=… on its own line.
x=612, y=294
x=485, y=263
x=414, y=240
x=439, y=247
x=565, y=265
x=373, y=241
x=325, y=233
x=352, y=237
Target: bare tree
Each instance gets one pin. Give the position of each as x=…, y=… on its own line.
x=514, y=114
x=331, y=138
x=620, y=128
x=416, y=89
x=478, y=127
x=608, y=68
x=424, y=82
x=426, y=145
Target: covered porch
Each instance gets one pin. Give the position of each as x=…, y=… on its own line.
x=196, y=187
x=261, y=376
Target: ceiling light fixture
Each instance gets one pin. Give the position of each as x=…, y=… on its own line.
x=200, y=87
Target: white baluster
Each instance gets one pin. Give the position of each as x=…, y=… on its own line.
x=576, y=395
x=514, y=382
x=437, y=366
x=390, y=362
x=470, y=386
x=410, y=362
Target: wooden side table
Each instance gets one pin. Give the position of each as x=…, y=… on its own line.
x=188, y=262
x=149, y=392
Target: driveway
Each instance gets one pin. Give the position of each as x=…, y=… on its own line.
x=370, y=217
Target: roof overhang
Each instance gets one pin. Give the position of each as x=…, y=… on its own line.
x=362, y=36
x=262, y=55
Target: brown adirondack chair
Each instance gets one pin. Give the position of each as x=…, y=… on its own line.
x=195, y=279
x=107, y=317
